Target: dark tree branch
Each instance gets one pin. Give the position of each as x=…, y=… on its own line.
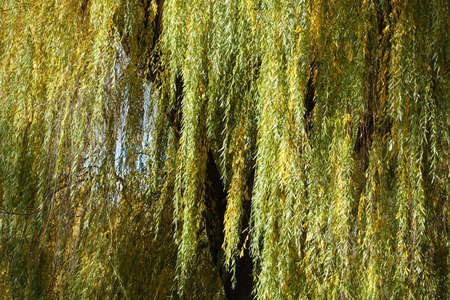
x=310, y=101
x=22, y=213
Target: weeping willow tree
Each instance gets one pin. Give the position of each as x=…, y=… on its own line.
x=230, y=149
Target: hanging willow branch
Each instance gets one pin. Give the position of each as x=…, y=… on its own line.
x=224, y=149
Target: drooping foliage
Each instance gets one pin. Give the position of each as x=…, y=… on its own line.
x=147, y=147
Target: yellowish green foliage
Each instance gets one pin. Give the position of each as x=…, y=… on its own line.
x=326, y=121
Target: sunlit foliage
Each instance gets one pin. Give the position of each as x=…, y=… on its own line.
x=326, y=121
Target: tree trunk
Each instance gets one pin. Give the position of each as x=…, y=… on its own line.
x=216, y=206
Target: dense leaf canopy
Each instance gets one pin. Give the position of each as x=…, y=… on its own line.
x=147, y=147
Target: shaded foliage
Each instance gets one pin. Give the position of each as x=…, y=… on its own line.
x=152, y=149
